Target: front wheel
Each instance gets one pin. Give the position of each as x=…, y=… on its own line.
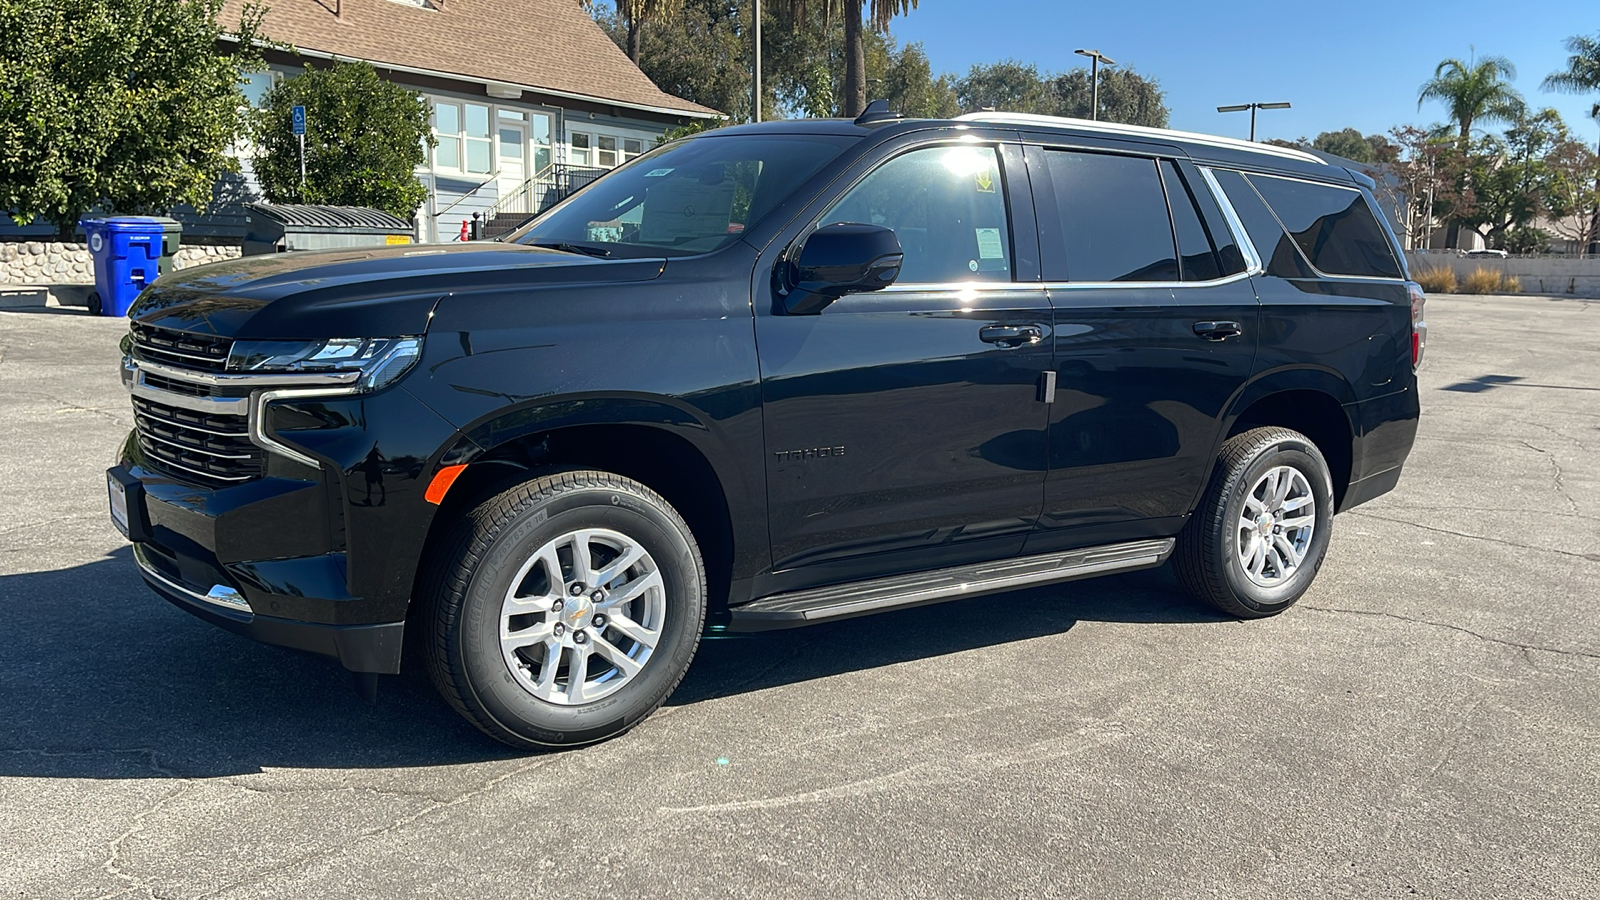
x=565, y=610
x=1260, y=533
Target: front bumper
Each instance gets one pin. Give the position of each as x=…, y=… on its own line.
x=359, y=648
x=298, y=601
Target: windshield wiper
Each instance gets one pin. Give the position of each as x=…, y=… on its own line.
x=566, y=247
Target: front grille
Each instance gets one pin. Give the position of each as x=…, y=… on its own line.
x=205, y=352
x=213, y=449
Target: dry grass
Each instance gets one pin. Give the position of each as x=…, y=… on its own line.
x=1489, y=281
x=1438, y=280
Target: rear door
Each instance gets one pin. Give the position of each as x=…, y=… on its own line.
x=904, y=427
x=1155, y=331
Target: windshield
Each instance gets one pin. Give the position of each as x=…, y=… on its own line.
x=685, y=197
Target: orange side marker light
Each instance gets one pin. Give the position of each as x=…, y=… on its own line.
x=442, y=480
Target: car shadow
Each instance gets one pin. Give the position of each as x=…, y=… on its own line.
x=100, y=678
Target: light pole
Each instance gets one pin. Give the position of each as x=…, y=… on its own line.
x=1241, y=107
x=1095, y=59
x=755, y=106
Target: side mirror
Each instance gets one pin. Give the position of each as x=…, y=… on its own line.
x=841, y=259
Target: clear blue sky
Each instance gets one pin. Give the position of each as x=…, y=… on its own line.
x=1355, y=64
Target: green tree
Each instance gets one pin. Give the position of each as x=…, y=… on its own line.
x=1125, y=96
x=1582, y=74
x=636, y=13
x=1474, y=91
x=1510, y=178
x=1352, y=144
x=124, y=105
x=364, y=139
x=855, y=62
x=1007, y=86
x=701, y=54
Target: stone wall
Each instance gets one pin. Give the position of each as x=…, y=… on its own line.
x=1548, y=275
x=54, y=262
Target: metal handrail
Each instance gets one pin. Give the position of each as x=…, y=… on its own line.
x=480, y=187
x=544, y=174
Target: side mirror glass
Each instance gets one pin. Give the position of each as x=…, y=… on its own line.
x=836, y=260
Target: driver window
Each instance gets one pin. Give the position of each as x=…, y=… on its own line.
x=946, y=205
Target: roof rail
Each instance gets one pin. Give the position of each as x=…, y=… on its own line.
x=1212, y=140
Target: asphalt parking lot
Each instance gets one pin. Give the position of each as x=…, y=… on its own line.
x=1425, y=723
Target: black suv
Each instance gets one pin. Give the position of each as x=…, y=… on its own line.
x=767, y=376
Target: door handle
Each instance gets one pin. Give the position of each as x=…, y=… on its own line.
x=1217, y=331
x=1011, y=335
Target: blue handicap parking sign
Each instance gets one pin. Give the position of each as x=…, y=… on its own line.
x=299, y=120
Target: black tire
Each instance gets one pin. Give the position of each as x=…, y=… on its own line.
x=467, y=575
x=94, y=303
x=1207, y=559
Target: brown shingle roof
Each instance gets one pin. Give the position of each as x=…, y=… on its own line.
x=550, y=44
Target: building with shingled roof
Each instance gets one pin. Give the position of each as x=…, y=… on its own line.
x=529, y=98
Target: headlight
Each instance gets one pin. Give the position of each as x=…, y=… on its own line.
x=382, y=360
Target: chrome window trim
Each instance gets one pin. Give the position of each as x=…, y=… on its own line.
x=929, y=287
x=1253, y=264
x=1247, y=175
x=1156, y=285
x=219, y=595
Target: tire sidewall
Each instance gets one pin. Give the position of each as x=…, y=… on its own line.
x=1305, y=458
x=500, y=694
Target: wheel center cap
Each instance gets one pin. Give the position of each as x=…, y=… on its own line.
x=576, y=610
x=1264, y=524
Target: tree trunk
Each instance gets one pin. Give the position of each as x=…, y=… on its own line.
x=855, y=62
x=633, y=40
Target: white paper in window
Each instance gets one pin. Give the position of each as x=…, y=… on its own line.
x=678, y=209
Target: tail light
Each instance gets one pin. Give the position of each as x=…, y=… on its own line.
x=1419, y=327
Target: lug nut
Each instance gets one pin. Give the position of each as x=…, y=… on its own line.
x=575, y=590
x=599, y=621
x=556, y=606
x=1277, y=529
x=560, y=629
x=579, y=637
x=597, y=596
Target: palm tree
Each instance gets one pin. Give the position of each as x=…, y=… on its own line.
x=635, y=13
x=1583, y=67
x=1473, y=91
x=855, y=57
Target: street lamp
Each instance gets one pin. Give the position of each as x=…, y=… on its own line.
x=1095, y=59
x=1241, y=107
x=755, y=90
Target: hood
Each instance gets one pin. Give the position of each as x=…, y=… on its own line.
x=366, y=292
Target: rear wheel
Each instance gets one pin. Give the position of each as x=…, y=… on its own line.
x=1261, y=531
x=565, y=610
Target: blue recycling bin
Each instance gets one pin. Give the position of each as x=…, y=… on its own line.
x=128, y=253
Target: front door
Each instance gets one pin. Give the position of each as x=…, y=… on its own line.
x=511, y=143
x=904, y=427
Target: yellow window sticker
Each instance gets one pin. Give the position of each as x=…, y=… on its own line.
x=986, y=182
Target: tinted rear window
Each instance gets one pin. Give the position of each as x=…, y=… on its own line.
x=1196, y=253
x=1112, y=219
x=1333, y=226
x=1278, y=252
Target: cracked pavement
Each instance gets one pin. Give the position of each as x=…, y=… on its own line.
x=1426, y=722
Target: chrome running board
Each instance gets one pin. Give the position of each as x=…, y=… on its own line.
x=842, y=601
